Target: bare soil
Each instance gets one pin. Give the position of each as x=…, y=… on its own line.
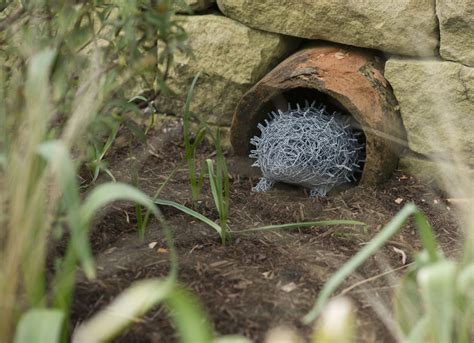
x=257, y=281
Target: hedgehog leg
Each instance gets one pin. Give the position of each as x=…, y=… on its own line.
x=320, y=190
x=263, y=185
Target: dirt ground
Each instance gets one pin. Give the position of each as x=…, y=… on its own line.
x=262, y=280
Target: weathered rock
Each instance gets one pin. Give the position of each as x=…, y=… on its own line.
x=345, y=79
x=445, y=175
x=406, y=27
x=230, y=57
x=195, y=5
x=437, y=105
x=456, y=21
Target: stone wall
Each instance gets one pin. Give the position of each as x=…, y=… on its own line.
x=428, y=46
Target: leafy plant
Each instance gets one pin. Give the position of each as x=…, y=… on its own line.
x=98, y=153
x=434, y=301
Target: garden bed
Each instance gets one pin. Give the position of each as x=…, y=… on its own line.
x=261, y=280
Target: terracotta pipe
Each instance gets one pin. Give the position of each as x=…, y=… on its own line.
x=346, y=79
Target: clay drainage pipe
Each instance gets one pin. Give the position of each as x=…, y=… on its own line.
x=346, y=79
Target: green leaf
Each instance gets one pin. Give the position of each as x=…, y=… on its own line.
x=215, y=190
x=189, y=318
x=39, y=70
x=138, y=97
x=437, y=287
x=40, y=325
x=427, y=236
x=355, y=262
x=191, y=212
x=123, y=311
x=419, y=332
x=60, y=161
x=109, y=192
x=187, y=104
x=407, y=303
x=465, y=300
x=299, y=225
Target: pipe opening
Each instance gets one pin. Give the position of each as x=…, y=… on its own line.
x=350, y=83
x=301, y=96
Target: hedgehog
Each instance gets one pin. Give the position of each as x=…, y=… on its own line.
x=309, y=147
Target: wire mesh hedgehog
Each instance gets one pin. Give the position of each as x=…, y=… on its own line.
x=308, y=147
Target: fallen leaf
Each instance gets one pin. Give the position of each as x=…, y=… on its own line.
x=289, y=287
x=268, y=275
x=398, y=201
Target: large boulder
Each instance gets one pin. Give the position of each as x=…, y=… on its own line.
x=451, y=177
x=436, y=101
x=231, y=57
x=406, y=27
x=456, y=21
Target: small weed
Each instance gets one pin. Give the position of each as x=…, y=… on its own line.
x=98, y=153
x=220, y=188
x=190, y=145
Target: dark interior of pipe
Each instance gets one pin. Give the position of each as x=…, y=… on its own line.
x=299, y=96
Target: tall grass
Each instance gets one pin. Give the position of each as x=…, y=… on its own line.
x=39, y=181
x=434, y=301
x=44, y=116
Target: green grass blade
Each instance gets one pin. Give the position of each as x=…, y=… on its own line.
x=419, y=332
x=199, y=137
x=427, y=236
x=60, y=161
x=40, y=325
x=157, y=194
x=190, y=149
x=188, y=317
x=109, y=173
x=299, y=225
x=407, y=305
x=191, y=212
x=465, y=290
x=109, y=142
x=349, y=267
x=437, y=287
x=186, y=114
x=64, y=281
x=216, y=192
x=110, y=192
x=123, y=311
